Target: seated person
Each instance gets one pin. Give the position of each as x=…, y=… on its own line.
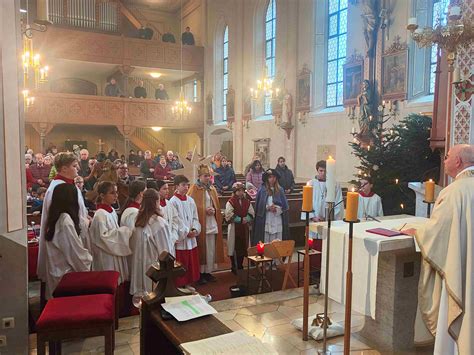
x=370, y=204
x=37, y=203
x=226, y=177
x=147, y=166
x=64, y=249
x=123, y=175
x=162, y=170
x=168, y=37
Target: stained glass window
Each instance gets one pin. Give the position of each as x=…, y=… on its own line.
x=439, y=13
x=336, y=51
x=270, y=45
x=225, y=73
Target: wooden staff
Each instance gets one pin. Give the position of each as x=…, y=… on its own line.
x=347, y=318
x=306, y=281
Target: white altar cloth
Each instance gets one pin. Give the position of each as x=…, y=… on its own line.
x=365, y=249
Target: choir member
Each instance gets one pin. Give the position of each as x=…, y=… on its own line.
x=131, y=206
x=189, y=228
x=64, y=249
x=150, y=238
x=110, y=243
x=370, y=204
x=169, y=213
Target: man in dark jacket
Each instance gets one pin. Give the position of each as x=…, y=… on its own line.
x=187, y=37
x=147, y=167
x=140, y=90
x=287, y=180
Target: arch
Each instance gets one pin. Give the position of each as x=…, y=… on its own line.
x=221, y=139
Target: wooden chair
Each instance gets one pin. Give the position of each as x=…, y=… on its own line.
x=282, y=250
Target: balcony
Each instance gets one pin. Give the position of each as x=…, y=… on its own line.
x=51, y=109
x=63, y=43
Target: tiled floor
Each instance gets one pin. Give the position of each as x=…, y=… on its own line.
x=266, y=316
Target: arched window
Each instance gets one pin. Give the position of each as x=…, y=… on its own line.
x=336, y=51
x=270, y=46
x=439, y=10
x=225, y=72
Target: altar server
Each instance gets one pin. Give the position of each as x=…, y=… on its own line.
x=150, y=238
x=169, y=213
x=445, y=290
x=64, y=249
x=189, y=228
x=132, y=205
x=370, y=204
x=66, y=165
x=110, y=243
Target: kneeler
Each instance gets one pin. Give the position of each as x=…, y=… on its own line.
x=282, y=250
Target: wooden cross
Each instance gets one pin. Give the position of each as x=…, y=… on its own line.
x=100, y=144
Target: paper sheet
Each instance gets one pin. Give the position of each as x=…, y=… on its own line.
x=232, y=343
x=188, y=308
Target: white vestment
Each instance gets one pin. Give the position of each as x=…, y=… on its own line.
x=147, y=245
x=188, y=219
x=369, y=206
x=273, y=222
x=171, y=216
x=110, y=244
x=319, y=203
x=128, y=218
x=65, y=253
x=211, y=233
x=446, y=242
x=83, y=221
x=229, y=216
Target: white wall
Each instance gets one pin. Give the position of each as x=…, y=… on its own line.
x=296, y=28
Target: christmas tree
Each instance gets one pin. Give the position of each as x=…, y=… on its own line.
x=395, y=156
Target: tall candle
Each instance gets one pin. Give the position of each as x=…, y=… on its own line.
x=331, y=180
x=352, y=206
x=429, y=191
x=307, y=199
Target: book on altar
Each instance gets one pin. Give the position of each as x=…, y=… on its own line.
x=232, y=343
x=385, y=232
x=187, y=307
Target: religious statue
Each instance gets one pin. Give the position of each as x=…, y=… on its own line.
x=370, y=20
x=364, y=100
x=287, y=110
x=209, y=113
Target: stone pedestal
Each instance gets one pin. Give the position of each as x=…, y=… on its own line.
x=419, y=188
x=396, y=303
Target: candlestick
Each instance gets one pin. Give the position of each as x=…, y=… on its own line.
x=428, y=208
x=429, y=191
x=307, y=199
x=306, y=280
x=352, y=206
x=330, y=180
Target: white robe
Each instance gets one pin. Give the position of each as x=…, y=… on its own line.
x=446, y=289
x=84, y=223
x=171, y=216
x=211, y=233
x=188, y=219
x=273, y=223
x=128, y=218
x=370, y=206
x=148, y=243
x=110, y=244
x=65, y=253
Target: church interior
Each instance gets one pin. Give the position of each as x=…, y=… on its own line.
x=301, y=170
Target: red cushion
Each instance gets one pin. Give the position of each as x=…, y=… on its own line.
x=87, y=283
x=76, y=312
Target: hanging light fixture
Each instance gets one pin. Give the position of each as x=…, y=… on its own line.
x=264, y=87
x=181, y=109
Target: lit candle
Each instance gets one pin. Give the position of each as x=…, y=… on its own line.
x=412, y=21
x=456, y=75
x=36, y=60
x=307, y=199
x=310, y=243
x=402, y=206
x=368, y=148
x=260, y=249
x=429, y=190
x=383, y=103
x=352, y=206
x=330, y=180
x=396, y=181
x=360, y=172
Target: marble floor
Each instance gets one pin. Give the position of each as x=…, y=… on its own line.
x=266, y=316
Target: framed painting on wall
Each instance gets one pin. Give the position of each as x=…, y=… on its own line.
x=303, y=90
x=394, y=71
x=353, y=76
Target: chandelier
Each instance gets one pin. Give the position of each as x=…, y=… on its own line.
x=181, y=107
x=264, y=87
x=458, y=31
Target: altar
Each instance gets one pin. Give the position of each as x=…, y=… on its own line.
x=385, y=278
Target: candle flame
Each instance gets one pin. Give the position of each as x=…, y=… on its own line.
x=353, y=190
x=330, y=158
x=396, y=181
x=431, y=180
x=402, y=206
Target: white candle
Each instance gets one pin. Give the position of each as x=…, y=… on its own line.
x=331, y=180
x=456, y=75
x=412, y=21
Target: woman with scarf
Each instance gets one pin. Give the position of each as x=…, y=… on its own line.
x=271, y=211
x=239, y=213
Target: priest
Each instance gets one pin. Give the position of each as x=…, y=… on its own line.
x=370, y=204
x=445, y=290
x=210, y=243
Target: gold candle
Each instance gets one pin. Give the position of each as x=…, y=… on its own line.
x=352, y=206
x=429, y=190
x=307, y=199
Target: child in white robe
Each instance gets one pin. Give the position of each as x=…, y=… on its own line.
x=129, y=212
x=189, y=228
x=150, y=238
x=169, y=213
x=110, y=243
x=63, y=245
x=370, y=204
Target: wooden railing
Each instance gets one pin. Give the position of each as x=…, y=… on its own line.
x=89, y=14
x=51, y=109
x=150, y=142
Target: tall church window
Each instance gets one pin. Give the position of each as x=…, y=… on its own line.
x=270, y=46
x=195, y=91
x=439, y=11
x=225, y=73
x=336, y=51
